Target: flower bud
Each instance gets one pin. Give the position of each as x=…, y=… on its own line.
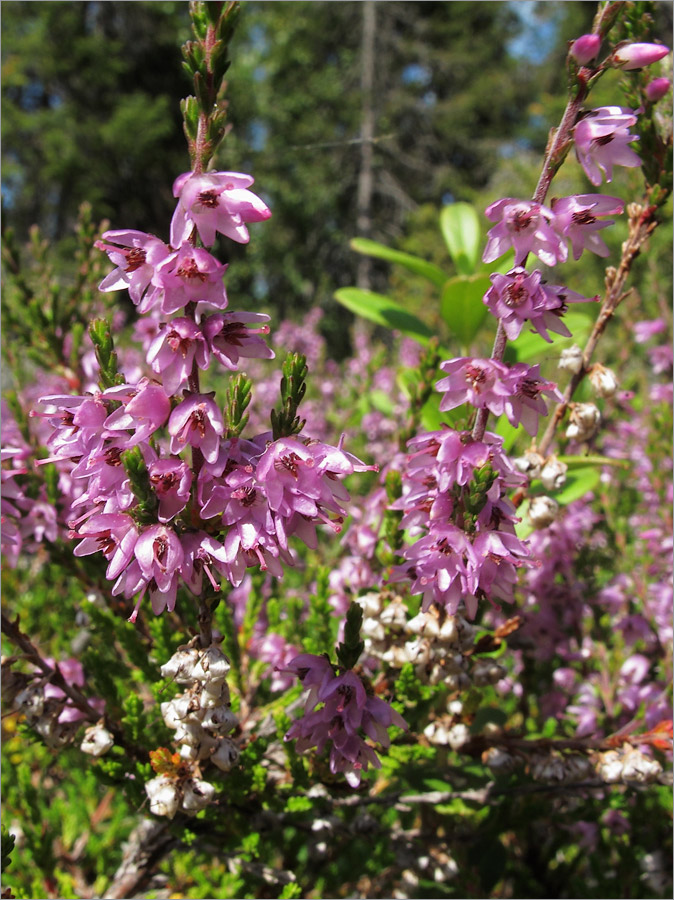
x=656, y=89
x=226, y=755
x=636, y=56
x=571, y=359
x=583, y=421
x=542, y=511
x=603, y=380
x=163, y=795
x=585, y=48
x=553, y=474
x=198, y=794
x=97, y=740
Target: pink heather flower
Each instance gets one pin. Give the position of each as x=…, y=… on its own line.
x=576, y=218
x=229, y=338
x=197, y=421
x=112, y=534
x=585, y=48
x=347, y=709
x=159, y=554
x=519, y=297
x=636, y=56
x=145, y=409
x=136, y=256
x=481, y=382
x=644, y=331
x=657, y=89
x=601, y=138
x=216, y=202
x=526, y=226
x=526, y=404
x=171, y=480
x=191, y=274
x=173, y=351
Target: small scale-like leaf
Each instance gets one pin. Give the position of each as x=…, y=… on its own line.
x=414, y=264
x=462, y=307
x=460, y=227
x=384, y=311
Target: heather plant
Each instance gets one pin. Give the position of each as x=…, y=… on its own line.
x=227, y=676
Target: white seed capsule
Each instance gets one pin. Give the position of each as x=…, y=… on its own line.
x=529, y=463
x=370, y=604
x=214, y=695
x=610, y=767
x=449, y=633
x=212, y=666
x=177, y=711
x=424, y=625
x=603, y=380
x=220, y=720
x=226, y=755
x=458, y=735
x=373, y=629
x=394, y=616
x=197, y=795
x=583, y=421
x=97, y=740
x=553, y=474
x=542, y=511
x=437, y=733
x=498, y=760
x=163, y=795
x=571, y=359
x=640, y=768
x=181, y=666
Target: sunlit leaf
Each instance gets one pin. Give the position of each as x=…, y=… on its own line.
x=462, y=307
x=414, y=264
x=384, y=311
x=460, y=227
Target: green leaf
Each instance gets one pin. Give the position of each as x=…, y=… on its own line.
x=460, y=227
x=384, y=311
x=415, y=264
x=578, y=483
x=462, y=307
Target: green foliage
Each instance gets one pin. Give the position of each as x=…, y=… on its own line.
x=285, y=421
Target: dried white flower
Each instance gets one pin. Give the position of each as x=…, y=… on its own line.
x=583, y=421
x=571, y=359
x=97, y=740
x=553, y=474
x=542, y=511
x=197, y=795
x=164, y=796
x=603, y=380
x=226, y=755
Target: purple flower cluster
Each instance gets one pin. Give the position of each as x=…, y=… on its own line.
x=237, y=502
x=488, y=384
x=454, y=498
x=337, y=709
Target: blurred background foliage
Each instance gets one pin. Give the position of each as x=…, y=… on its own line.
x=461, y=97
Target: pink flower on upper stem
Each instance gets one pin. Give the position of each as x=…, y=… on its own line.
x=526, y=226
x=112, y=534
x=136, y=258
x=171, y=480
x=526, y=403
x=145, y=409
x=171, y=354
x=480, y=382
x=191, y=274
x=602, y=137
x=159, y=554
x=636, y=56
x=215, y=202
x=229, y=338
x=576, y=218
x=197, y=421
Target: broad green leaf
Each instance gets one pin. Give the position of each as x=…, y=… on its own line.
x=384, y=311
x=381, y=401
x=461, y=230
x=462, y=307
x=578, y=483
x=530, y=345
x=508, y=432
x=414, y=264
